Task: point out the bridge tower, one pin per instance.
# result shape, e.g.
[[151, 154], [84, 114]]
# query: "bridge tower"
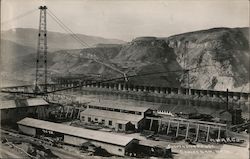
[[41, 59]]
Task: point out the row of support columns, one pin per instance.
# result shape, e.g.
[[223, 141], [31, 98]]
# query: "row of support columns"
[[187, 129], [127, 87], [161, 90], [70, 113]]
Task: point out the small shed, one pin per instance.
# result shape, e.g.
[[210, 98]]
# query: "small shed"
[[119, 121]]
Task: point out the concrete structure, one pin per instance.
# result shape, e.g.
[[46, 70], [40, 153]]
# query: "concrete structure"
[[168, 123], [116, 115], [114, 144], [83, 81], [14, 110]]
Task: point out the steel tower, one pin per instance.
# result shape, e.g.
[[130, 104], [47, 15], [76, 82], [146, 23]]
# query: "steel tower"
[[41, 60]]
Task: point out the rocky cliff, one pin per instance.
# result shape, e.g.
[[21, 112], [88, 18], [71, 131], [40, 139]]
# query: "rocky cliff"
[[217, 58], [209, 59]]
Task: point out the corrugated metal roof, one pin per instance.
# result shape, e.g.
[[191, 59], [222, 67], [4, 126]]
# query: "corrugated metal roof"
[[78, 132], [22, 103], [7, 104], [113, 115], [119, 105]]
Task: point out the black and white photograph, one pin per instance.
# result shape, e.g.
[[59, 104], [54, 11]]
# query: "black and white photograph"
[[124, 79]]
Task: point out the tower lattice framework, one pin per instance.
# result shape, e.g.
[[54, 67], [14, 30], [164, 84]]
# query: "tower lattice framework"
[[41, 60]]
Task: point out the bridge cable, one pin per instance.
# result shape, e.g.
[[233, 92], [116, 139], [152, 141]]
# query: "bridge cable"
[[114, 79], [67, 29]]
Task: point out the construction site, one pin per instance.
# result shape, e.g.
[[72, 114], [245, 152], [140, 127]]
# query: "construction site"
[[82, 116]]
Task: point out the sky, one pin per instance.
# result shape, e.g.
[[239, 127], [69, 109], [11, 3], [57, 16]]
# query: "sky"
[[127, 19]]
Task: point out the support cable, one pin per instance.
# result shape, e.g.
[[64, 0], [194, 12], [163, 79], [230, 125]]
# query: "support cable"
[[84, 44]]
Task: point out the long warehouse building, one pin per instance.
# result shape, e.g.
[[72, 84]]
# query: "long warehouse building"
[[12, 111], [113, 143]]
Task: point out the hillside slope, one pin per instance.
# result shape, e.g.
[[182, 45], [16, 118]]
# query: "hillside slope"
[[217, 59], [221, 56], [149, 55], [56, 41], [11, 52]]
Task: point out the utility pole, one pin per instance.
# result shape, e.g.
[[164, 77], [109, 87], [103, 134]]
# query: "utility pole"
[[227, 101], [185, 61], [41, 60], [186, 72], [186, 67]]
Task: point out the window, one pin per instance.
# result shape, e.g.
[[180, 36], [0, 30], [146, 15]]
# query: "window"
[[96, 119], [89, 119], [126, 111], [116, 110], [119, 149], [103, 121], [110, 109], [120, 126], [131, 112], [83, 118], [110, 122], [138, 113]]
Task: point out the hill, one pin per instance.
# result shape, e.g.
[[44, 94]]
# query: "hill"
[[57, 41], [223, 51], [217, 59]]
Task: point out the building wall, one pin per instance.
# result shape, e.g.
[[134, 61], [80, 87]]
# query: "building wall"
[[123, 128], [74, 140], [13, 115], [77, 141], [106, 122], [8, 115], [113, 149], [27, 130], [141, 124], [148, 112], [132, 145]]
